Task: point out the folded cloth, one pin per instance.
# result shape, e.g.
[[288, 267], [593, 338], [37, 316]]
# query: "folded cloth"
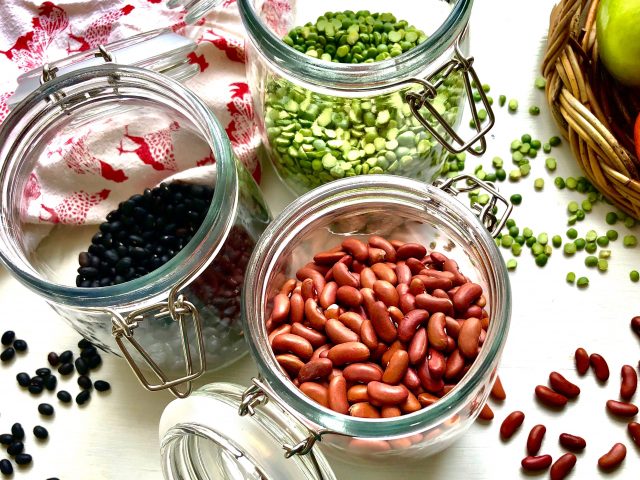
[[85, 173]]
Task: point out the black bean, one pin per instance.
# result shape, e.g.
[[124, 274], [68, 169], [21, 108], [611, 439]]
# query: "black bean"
[[17, 431], [23, 379], [95, 361], [84, 259], [46, 409], [15, 448], [88, 352], [84, 343], [37, 380], [81, 366], [66, 356], [101, 385], [35, 389], [65, 368], [6, 439], [84, 382], [43, 372], [53, 478], [40, 432], [7, 354], [23, 459], [83, 397], [111, 256], [8, 337], [20, 345], [53, 359], [64, 396], [6, 468], [51, 383]]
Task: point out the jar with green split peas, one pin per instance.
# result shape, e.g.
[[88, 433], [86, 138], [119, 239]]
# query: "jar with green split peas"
[[359, 92], [225, 431], [182, 318]]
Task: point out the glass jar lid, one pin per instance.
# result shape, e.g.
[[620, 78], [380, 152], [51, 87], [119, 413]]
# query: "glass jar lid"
[[222, 431]]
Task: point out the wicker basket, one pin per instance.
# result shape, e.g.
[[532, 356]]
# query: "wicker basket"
[[596, 114]]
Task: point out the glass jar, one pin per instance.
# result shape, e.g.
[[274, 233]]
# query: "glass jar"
[[322, 120], [183, 318], [384, 205]]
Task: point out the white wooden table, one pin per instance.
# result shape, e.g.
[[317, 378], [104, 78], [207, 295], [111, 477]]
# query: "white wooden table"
[[115, 435]]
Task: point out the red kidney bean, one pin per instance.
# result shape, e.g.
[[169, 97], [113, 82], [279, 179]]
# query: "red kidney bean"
[[629, 382], [613, 457], [357, 393], [562, 467], [466, 295], [317, 392], [634, 431], [362, 372], [416, 286], [469, 337], [296, 312], [396, 368], [379, 242], [288, 286], [352, 321], [328, 258], [534, 441], [437, 363], [403, 273], [414, 265], [635, 325], [367, 277], [339, 333], [368, 335], [452, 327], [384, 272], [334, 311], [572, 442], [497, 391], [307, 290], [349, 296], [549, 397], [390, 412], [437, 259], [622, 409], [455, 365], [511, 424], [350, 352], [434, 304], [429, 383], [338, 395], [322, 269], [290, 343], [599, 366], [486, 413], [314, 314], [430, 272], [407, 303], [411, 321], [383, 394], [451, 265], [386, 292], [396, 315], [281, 307], [402, 289], [411, 380], [315, 369], [285, 328], [436, 332], [411, 404], [582, 361], [533, 464], [321, 352], [316, 277], [343, 276], [384, 327], [328, 295], [376, 255], [291, 363], [563, 386], [386, 356], [364, 410], [357, 248], [315, 338], [411, 250], [418, 347], [427, 399]]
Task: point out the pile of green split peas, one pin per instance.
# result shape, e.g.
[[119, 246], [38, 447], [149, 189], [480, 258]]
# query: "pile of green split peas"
[[316, 138], [541, 246]]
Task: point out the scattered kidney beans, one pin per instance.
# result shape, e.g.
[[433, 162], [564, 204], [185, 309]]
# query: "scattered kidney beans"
[[497, 391], [363, 327], [563, 386], [549, 397], [629, 382], [486, 413], [582, 361], [534, 441], [622, 409], [563, 466], [533, 464], [511, 424], [613, 457], [634, 432], [635, 325], [572, 442], [600, 367]]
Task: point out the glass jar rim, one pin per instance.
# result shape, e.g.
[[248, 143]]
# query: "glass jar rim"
[[187, 263], [265, 256], [361, 76]]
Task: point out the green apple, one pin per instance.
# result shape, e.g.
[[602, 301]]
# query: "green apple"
[[618, 31]]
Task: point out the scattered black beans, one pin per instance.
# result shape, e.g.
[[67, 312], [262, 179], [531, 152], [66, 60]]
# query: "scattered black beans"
[[6, 439], [64, 396], [83, 397], [84, 382], [23, 459], [101, 385], [35, 389], [66, 356], [144, 233], [53, 359], [46, 409], [8, 337], [43, 372], [65, 368], [17, 431], [95, 361], [15, 448], [23, 379], [40, 432], [20, 345], [6, 468], [7, 354], [81, 366], [51, 383]]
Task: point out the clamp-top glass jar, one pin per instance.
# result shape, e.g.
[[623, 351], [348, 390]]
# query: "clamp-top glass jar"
[[321, 120], [180, 316], [200, 436]]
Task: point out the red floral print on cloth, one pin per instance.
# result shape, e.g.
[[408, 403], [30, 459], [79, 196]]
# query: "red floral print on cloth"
[[241, 129], [155, 148], [98, 32], [232, 47], [74, 208], [29, 50], [4, 108]]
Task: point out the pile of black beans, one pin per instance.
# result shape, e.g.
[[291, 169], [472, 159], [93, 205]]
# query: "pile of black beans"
[[11, 345], [144, 233]]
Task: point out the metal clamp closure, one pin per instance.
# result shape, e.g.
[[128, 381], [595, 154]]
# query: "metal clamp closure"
[[179, 310], [484, 213], [416, 100]]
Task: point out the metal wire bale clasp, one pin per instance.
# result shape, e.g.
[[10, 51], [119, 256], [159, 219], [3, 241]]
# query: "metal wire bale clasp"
[[180, 311], [484, 213]]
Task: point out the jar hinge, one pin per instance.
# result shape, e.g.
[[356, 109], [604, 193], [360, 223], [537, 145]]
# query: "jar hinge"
[[486, 212], [179, 310], [417, 100]]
